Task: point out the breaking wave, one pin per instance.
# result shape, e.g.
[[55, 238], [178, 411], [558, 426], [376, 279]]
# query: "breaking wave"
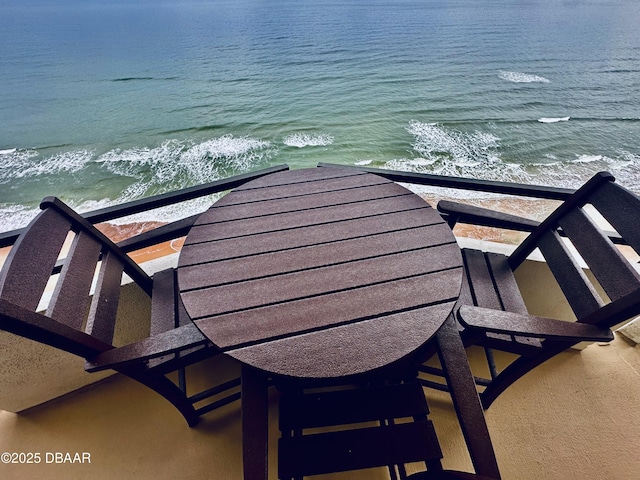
[[445, 151], [553, 119], [18, 163], [302, 140], [15, 216], [146, 171], [519, 77], [450, 148], [175, 165]]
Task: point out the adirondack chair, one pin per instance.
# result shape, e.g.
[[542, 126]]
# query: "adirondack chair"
[[359, 427], [84, 325], [492, 312]]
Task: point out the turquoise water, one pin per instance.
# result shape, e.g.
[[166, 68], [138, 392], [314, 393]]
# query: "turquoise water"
[[108, 101]]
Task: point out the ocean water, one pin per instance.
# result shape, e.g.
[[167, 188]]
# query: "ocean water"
[[105, 101]]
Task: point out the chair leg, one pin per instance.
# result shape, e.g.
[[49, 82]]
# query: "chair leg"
[[513, 372], [182, 381], [168, 390], [465, 399], [255, 427], [491, 362]]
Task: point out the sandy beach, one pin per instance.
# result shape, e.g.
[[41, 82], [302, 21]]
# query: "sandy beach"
[[530, 208], [117, 233]]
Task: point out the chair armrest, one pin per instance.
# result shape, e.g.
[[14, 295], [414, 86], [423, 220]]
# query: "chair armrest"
[[40, 328], [463, 213], [152, 347], [497, 321]]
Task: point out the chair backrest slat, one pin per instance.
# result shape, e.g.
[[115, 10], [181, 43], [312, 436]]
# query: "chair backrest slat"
[[505, 284], [621, 208], [163, 311], [576, 200], [575, 285], [483, 291], [70, 298], [79, 223], [31, 260], [614, 273], [31, 264], [104, 306]]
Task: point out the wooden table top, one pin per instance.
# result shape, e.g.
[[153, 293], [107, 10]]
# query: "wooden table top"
[[320, 273]]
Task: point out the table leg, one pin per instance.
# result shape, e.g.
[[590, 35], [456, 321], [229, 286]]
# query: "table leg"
[[255, 424], [465, 399]]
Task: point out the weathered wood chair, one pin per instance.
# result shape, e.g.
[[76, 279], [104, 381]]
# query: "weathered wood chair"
[[84, 325], [492, 312], [357, 427]]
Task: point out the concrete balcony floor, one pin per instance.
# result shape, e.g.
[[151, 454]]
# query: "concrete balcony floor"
[[574, 417]]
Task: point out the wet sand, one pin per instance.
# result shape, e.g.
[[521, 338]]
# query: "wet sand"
[[529, 208], [118, 233]]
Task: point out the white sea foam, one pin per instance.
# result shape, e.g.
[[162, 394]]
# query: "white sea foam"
[[421, 162], [363, 163], [170, 166], [15, 216], [445, 151], [436, 143], [588, 158], [553, 119], [174, 165], [519, 77], [65, 162], [8, 151], [302, 140], [24, 164]]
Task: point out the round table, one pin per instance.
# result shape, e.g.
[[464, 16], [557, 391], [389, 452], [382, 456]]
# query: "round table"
[[320, 273], [327, 273]]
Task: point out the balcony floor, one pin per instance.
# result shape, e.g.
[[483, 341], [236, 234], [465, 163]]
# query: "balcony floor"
[[573, 417]]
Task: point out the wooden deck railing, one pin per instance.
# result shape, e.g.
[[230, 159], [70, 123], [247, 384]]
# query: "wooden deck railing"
[[180, 227], [489, 186]]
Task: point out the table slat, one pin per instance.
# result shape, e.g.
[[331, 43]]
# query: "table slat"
[[305, 236], [298, 176], [304, 218], [292, 286], [232, 330], [285, 191], [222, 212], [348, 349], [285, 261]]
